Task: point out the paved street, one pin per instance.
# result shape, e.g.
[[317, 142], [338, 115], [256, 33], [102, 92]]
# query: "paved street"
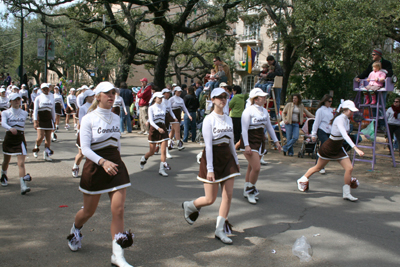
[[33, 228]]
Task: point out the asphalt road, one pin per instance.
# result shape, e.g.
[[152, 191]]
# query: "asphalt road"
[[33, 228]]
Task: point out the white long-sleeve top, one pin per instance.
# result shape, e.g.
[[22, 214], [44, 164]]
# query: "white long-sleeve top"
[[340, 127], [4, 102], [226, 107], [119, 102], [255, 117], [168, 107], [157, 114], [323, 118], [59, 99], [23, 93], [99, 129], [390, 117], [177, 102], [217, 129], [71, 99], [14, 118], [83, 110], [44, 102], [79, 100], [33, 97]]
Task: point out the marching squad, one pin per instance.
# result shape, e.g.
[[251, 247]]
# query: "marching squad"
[[99, 117]]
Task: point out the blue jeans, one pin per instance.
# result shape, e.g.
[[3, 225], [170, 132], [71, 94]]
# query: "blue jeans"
[[322, 137], [125, 119], [266, 87], [213, 85], [292, 135], [189, 124], [277, 100]]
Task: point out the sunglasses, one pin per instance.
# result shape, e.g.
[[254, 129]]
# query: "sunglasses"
[[374, 54], [330, 101], [396, 101]]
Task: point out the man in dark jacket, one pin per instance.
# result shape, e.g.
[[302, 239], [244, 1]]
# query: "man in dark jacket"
[[386, 67], [127, 96], [277, 72], [192, 104]]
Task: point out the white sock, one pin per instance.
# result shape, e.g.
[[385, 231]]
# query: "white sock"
[[303, 179], [75, 166], [3, 172]]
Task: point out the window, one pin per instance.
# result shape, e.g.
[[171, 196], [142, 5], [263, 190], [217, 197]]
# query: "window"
[[252, 31], [185, 79], [248, 83], [191, 81]]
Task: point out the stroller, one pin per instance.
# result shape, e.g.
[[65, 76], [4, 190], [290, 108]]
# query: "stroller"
[[308, 146]]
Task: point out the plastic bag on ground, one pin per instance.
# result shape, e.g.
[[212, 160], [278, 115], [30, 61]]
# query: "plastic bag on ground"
[[302, 249]]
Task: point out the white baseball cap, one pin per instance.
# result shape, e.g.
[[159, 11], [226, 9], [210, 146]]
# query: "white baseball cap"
[[44, 85], [72, 89], [84, 87], [104, 87], [217, 92], [156, 94], [257, 92], [350, 105], [2, 90], [178, 88], [223, 84], [14, 96], [88, 93], [174, 84], [165, 90], [14, 87]]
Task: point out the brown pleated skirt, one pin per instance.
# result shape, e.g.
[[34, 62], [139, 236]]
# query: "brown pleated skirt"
[[178, 115], [116, 110], [332, 150], [256, 141], [58, 109], [95, 180], [155, 136], [224, 165], [31, 105], [70, 111], [14, 144], [45, 120], [168, 120]]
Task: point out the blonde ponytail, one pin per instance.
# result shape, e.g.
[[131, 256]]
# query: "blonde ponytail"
[[94, 105]]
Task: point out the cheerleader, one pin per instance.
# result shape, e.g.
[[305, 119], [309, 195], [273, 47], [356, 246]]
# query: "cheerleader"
[[219, 164], [71, 107], [157, 132], [59, 108], [13, 120], [34, 94], [118, 106], [24, 94], [169, 116], [333, 149], [4, 101], [79, 102], [88, 96], [255, 119], [44, 116], [103, 172], [177, 105]]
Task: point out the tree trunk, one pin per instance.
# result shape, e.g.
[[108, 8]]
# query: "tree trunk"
[[162, 59], [127, 58], [177, 71], [289, 59]]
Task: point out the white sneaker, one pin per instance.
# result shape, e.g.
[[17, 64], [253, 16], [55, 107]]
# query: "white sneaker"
[[145, 133], [24, 188], [347, 195], [161, 171], [143, 161], [46, 156], [303, 184], [262, 161], [322, 171], [141, 132], [53, 137], [4, 180], [74, 239]]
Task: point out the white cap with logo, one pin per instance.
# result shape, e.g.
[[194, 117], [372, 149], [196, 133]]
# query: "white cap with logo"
[[104, 87]]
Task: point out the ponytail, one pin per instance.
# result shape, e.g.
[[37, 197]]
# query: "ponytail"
[[338, 114], [94, 105]]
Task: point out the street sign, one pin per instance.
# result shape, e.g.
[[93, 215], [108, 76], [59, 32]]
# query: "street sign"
[[50, 49], [23, 70]]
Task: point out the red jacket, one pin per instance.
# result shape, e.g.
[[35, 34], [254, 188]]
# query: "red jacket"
[[145, 96]]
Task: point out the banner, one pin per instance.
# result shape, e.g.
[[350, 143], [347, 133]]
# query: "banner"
[[50, 49], [250, 58]]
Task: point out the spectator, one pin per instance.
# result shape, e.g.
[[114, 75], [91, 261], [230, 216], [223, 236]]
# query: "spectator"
[[236, 105], [192, 104], [199, 86], [7, 81], [184, 90], [127, 96], [144, 96], [293, 116], [225, 68], [386, 67], [265, 80], [393, 118], [277, 72]]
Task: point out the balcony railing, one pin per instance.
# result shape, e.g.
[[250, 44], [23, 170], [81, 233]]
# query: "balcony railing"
[[240, 66], [249, 38]]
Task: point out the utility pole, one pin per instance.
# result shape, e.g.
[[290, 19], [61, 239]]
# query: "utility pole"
[[279, 32], [45, 57], [21, 61]]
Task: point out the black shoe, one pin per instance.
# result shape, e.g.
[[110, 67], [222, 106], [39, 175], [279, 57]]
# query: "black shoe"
[[284, 153]]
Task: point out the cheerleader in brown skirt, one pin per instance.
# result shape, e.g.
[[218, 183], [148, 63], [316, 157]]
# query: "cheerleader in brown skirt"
[[158, 133], [333, 149], [104, 172], [13, 120], [218, 166], [71, 107]]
